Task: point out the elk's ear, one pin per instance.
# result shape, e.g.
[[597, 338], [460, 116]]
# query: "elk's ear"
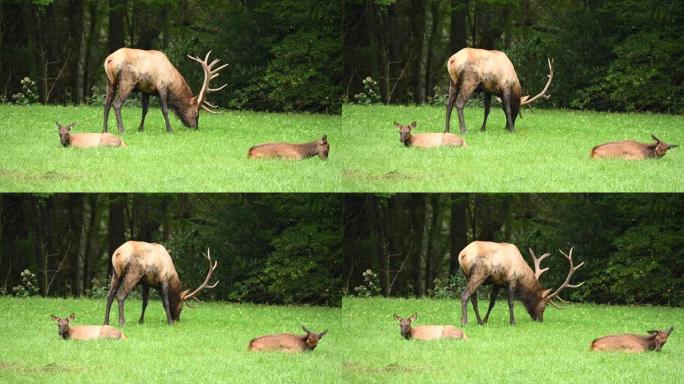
[[397, 317], [670, 146], [320, 335], [58, 124], [55, 318], [324, 139], [413, 317], [184, 293], [524, 99], [71, 316], [652, 332], [546, 292], [71, 125], [669, 330], [397, 125], [412, 125], [305, 330], [655, 138]]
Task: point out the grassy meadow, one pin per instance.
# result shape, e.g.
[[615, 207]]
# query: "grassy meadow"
[[556, 350], [208, 344], [549, 153]]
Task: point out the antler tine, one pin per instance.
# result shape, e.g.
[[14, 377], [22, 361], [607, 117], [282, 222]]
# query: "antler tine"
[[566, 283], [546, 87], [209, 74], [217, 89], [205, 284], [537, 263]]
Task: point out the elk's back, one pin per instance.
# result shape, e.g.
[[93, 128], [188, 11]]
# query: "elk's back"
[[283, 342], [626, 342], [149, 69], [275, 151], [501, 261], [628, 150], [429, 140], [90, 140], [151, 260], [491, 69], [436, 332], [93, 332]]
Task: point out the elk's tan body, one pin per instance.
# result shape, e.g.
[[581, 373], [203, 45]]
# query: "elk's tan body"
[[427, 140], [501, 261], [151, 259], [85, 332], [436, 332], [491, 71], [631, 150], [629, 342], [149, 70], [287, 342], [287, 151], [89, 140]]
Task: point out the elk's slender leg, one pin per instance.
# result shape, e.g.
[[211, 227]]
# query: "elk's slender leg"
[[511, 299], [163, 95], [109, 98], [145, 296], [145, 103], [130, 280], [124, 89], [450, 104], [165, 299], [473, 300], [474, 282], [113, 288], [467, 89], [492, 301], [487, 104], [506, 99]]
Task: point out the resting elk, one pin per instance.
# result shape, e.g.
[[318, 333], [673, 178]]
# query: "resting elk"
[[632, 150], [628, 342], [427, 332], [149, 264], [86, 140], [287, 151], [479, 70], [287, 342], [151, 73], [85, 332], [427, 140], [502, 266]]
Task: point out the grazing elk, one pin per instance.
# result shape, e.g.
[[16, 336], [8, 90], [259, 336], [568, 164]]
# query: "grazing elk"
[[427, 140], [287, 342], [86, 140], [479, 70], [151, 73], [85, 332], [427, 332], [632, 150], [287, 151], [502, 266], [628, 342], [149, 264]]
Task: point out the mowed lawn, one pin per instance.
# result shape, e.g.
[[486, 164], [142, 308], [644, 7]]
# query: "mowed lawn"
[[211, 159], [550, 152], [555, 351], [208, 345]]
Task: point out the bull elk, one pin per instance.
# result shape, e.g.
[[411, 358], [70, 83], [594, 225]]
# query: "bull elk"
[[632, 150], [149, 264], [85, 332], [287, 151], [151, 73], [502, 266], [287, 342], [479, 70], [628, 342], [86, 140], [427, 140], [427, 332]]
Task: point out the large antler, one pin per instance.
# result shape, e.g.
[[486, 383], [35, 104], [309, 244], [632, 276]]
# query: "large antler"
[[566, 283], [525, 100], [205, 284], [537, 261], [209, 74]]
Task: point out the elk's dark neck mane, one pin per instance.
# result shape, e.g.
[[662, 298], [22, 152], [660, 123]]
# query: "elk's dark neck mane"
[[174, 296], [180, 95], [307, 348], [408, 142], [65, 335], [529, 291]]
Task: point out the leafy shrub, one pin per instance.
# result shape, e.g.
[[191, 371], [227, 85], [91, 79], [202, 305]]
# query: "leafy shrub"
[[370, 286], [370, 94], [28, 285], [28, 94]]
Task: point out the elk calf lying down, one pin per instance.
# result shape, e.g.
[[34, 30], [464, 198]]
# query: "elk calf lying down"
[[85, 332], [632, 343], [427, 140], [427, 332], [631, 150], [287, 342], [87, 140], [288, 151]]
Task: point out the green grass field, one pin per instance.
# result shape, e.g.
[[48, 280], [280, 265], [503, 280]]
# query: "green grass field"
[[550, 152], [211, 159], [208, 345], [556, 350]]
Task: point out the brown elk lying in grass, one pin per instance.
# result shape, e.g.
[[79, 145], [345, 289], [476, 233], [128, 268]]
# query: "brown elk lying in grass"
[[502, 266], [287, 342], [149, 264], [427, 140], [632, 150], [287, 151], [151, 73], [479, 70], [632, 343], [86, 140], [85, 332], [427, 332]]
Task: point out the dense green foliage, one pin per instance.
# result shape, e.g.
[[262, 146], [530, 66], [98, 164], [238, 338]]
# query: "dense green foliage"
[[208, 344], [556, 350]]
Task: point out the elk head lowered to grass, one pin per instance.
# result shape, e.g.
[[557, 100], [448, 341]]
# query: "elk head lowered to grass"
[[85, 332], [479, 70], [151, 73], [628, 342], [287, 342], [86, 140], [502, 266], [632, 150], [149, 264], [287, 151], [427, 140], [427, 332]]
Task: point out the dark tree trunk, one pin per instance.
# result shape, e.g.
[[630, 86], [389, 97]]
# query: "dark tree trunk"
[[75, 227], [458, 37], [116, 37], [418, 35], [116, 228], [416, 209], [91, 239], [76, 9], [458, 235], [91, 41]]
